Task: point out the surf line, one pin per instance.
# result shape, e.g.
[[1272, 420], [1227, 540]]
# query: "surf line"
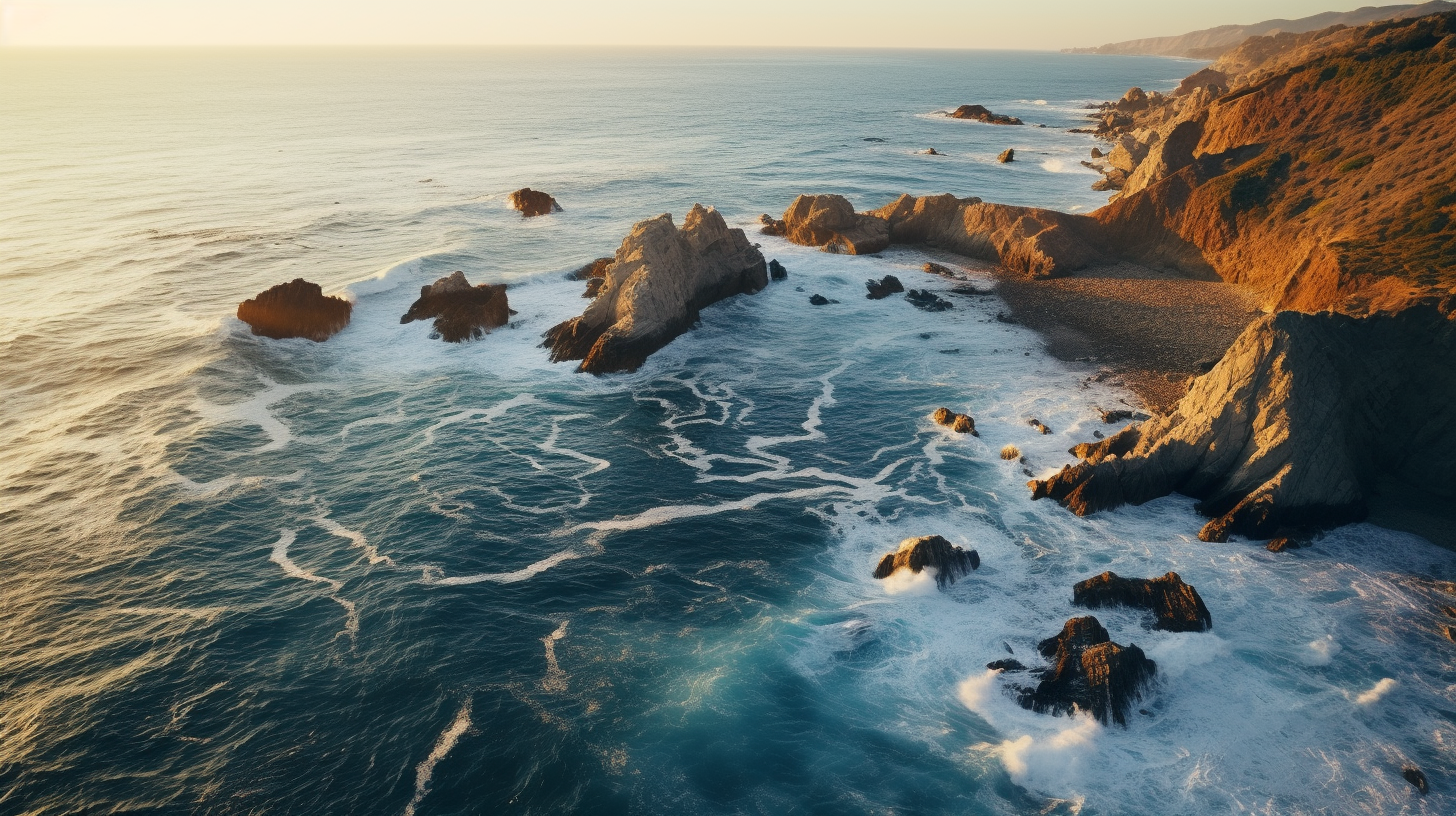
[[293, 570], [425, 771]]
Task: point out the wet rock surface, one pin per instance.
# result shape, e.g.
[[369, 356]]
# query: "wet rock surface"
[[960, 423], [295, 309], [930, 552], [1176, 606], [532, 203], [979, 113], [461, 311], [884, 287], [928, 301], [1089, 673]]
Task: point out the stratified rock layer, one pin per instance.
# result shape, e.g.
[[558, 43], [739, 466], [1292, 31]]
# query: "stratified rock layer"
[[1176, 605], [533, 202], [461, 311], [1090, 673], [295, 309], [1293, 427], [915, 554], [652, 292]]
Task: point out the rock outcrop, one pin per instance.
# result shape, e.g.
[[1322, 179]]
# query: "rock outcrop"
[[461, 311], [533, 202], [980, 114], [1007, 155], [660, 279], [949, 562], [883, 288], [960, 423], [295, 309], [1176, 606], [1090, 673], [928, 301], [830, 222], [1293, 428], [1414, 776], [776, 270]]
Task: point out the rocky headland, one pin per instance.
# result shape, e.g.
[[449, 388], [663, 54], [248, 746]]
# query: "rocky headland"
[[295, 309], [653, 290]]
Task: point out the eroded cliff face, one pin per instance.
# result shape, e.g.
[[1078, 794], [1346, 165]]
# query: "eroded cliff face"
[[1294, 428], [654, 288]]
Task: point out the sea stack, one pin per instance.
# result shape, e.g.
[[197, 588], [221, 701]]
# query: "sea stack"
[[655, 287], [295, 309], [533, 202], [949, 562], [461, 311], [1089, 673]]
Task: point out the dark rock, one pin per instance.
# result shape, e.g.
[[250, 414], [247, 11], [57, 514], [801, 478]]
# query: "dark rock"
[[461, 311], [820, 300], [1414, 776], [938, 269], [1006, 664], [593, 287], [533, 202], [1039, 425], [960, 423], [295, 309], [1090, 673], [595, 269], [980, 114], [930, 151], [884, 287], [1176, 605], [1115, 415], [949, 561], [1096, 153], [1002, 317], [1007, 155], [1283, 543], [873, 139], [776, 270], [928, 301]]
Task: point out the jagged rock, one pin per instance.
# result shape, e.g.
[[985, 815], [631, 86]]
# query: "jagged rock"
[[1414, 776], [960, 423], [771, 225], [533, 202], [776, 270], [1011, 453], [1133, 101], [1127, 154], [593, 287], [928, 301], [1285, 543], [930, 151], [934, 268], [1096, 153], [1007, 155], [1166, 157], [461, 311], [1006, 664], [1039, 426], [1176, 605], [1090, 673], [830, 222], [1291, 428], [924, 219], [595, 269], [933, 552], [1115, 415], [295, 309], [980, 114], [820, 300], [884, 287], [1202, 79], [661, 278]]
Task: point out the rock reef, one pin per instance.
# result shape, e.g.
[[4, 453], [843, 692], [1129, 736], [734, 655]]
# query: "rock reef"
[[1176, 606], [461, 311], [533, 202], [1089, 673], [980, 114], [659, 281], [295, 309], [930, 552]]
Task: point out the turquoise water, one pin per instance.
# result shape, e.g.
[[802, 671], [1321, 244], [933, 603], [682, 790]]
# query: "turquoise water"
[[389, 575]]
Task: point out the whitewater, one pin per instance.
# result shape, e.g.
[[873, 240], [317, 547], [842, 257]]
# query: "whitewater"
[[386, 574]]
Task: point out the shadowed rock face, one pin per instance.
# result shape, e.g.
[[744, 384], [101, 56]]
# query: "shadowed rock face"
[[1176, 605], [1292, 428], [652, 292], [830, 222], [1090, 673], [461, 311], [595, 274], [915, 554], [295, 309], [883, 288], [533, 202], [980, 114]]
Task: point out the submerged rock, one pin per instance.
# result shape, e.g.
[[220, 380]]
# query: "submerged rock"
[[776, 270], [1176, 605], [1007, 155], [1414, 776], [533, 202], [1090, 673], [928, 301], [960, 423], [461, 311], [884, 287], [915, 554], [980, 114], [830, 222], [295, 309], [1006, 664], [820, 300], [1115, 415], [661, 278]]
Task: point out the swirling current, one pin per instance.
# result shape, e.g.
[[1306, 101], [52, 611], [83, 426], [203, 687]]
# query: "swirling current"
[[385, 574]]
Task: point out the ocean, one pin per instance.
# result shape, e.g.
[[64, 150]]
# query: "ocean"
[[386, 574]]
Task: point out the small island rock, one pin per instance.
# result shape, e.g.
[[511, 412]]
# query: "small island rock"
[[933, 552], [1090, 673], [960, 423], [980, 114], [533, 202], [1176, 606], [461, 311], [295, 309]]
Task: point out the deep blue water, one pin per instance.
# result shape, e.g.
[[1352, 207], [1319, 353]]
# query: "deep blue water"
[[385, 574]]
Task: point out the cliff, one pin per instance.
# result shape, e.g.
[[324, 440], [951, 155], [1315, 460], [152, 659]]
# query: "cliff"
[[652, 291]]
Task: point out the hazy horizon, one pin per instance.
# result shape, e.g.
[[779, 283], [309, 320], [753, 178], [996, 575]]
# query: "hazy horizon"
[[978, 24]]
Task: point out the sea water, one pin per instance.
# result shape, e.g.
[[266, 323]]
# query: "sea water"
[[386, 574]]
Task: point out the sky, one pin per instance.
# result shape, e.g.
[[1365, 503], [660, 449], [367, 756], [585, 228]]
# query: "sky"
[[1035, 24]]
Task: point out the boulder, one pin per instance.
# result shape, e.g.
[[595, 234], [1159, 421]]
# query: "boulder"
[[980, 114], [776, 270], [1292, 427], [1133, 101], [1090, 673], [960, 423], [930, 552], [820, 300], [930, 151], [1007, 155], [884, 287], [533, 202], [1006, 664], [661, 279], [295, 309], [1283, 543], [830, 222], [1096, 153], [928, 301], [923, 219], [938, 269], [461, 311], [1175, 605]]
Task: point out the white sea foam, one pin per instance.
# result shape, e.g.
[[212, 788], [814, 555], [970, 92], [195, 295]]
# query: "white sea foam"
[[433, 575], [280, 557], [1375, 692], [444, 744], [254, 411], [555, 679], [355, 538]]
